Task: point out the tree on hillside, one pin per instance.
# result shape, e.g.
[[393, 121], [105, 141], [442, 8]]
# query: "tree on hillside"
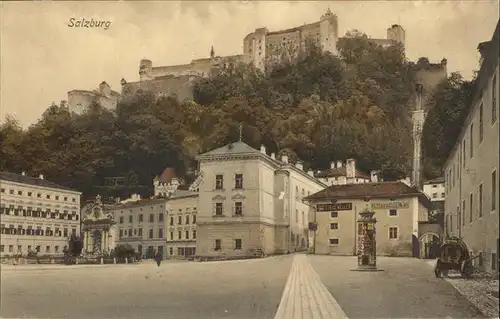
[[448, 109]]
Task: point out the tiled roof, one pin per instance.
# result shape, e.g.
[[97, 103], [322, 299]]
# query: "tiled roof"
[[35, 181], [167, 175], [339, 171], [232, 149], [182, 194], [437, 180], [140, 202], [370, 190]]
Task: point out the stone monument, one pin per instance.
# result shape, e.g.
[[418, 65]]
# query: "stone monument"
[[98, 229]]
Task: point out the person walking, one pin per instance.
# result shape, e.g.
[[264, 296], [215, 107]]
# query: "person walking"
[[158, 258]]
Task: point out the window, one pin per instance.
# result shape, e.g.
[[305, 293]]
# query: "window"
[[179, 235], [219, 181], [442, 195], [141, 218], [463, 213], [151, 233], [237, 244], [187, 220], [334, 241], [2, 190], [171, 220], [217, 245], [160, 217], [187, 234], [130, 218], [19, 192], [38, 195], [65, 198], [464, 154], [393, 233], [335, 214], [481, 128], [171, 235], [434, 195], [218, 209], [480, 199], [393, 212], [238, 181], [194, 234], [65, 232], [334, 225], [179, 220], [194, 219], [151, 218], [494, 261], [471, 140], [2, 248], [130, 232], [121, 220], [471, 201], [494, 100], [494, 190], [11, 191], [140, 232], [160, 232], [238, 208]]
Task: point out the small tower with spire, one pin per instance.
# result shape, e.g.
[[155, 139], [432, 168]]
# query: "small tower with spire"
[[212, 53]]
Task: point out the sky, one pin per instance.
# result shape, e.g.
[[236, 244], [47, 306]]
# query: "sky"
[[42, 58]]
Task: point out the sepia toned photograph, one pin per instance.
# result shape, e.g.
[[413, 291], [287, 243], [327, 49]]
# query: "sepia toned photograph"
[[249, 159]]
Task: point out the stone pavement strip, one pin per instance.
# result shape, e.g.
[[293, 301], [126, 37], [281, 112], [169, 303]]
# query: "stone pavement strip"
[[305, 297]]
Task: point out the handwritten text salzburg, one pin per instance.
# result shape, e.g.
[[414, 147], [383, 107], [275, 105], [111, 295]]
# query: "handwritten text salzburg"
[[86, 23]]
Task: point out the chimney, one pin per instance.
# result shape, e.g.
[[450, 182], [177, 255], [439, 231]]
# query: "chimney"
[[23, 173], [284, 158], [373, 177], [41, 176], [310, 172], [299, 165], [351, 168], [332, 164], [263, 149], [339, 164], [273, 156]]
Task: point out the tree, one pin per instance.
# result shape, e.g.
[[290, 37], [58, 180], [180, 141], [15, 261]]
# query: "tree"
[[75, 245]]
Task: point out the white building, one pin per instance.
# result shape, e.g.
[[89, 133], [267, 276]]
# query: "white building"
[[251, 202], [141, 224], [181, 224], [343, 173], [435, 189], [471, 170], [36, 215]]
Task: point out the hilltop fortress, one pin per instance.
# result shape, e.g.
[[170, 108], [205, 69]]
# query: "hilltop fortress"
[[262, 48]]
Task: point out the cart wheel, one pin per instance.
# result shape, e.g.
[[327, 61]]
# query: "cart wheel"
[[437, 272]]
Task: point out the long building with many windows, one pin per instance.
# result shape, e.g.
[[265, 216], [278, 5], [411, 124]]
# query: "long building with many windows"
[[36, 215], [471, 171]]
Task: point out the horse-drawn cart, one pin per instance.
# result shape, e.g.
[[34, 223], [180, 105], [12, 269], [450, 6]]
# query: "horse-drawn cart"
[[454, 255]]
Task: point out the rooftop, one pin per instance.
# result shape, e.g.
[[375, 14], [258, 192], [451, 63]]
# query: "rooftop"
[[140, 202], [437, 180], [370, 190], [237, 148], [339, 171], [35, 181], [180, 193]]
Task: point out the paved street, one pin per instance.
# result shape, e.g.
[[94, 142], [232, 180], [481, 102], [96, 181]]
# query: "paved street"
[[294, 286]]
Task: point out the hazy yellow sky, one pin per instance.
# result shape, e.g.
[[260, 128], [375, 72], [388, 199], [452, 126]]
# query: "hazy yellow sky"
[[42, 58]]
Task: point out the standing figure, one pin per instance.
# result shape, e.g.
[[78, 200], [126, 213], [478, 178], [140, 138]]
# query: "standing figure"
[[158, 258]]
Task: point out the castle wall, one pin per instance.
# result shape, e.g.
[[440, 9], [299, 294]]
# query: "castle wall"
[[181, 86], [80, 100]]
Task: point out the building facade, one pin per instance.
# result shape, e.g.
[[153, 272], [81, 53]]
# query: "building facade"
[[249, 202], [398, 209], [181, 224], [344, 172], [471, 171], [79, 100], [36, 215], [141, 224]]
